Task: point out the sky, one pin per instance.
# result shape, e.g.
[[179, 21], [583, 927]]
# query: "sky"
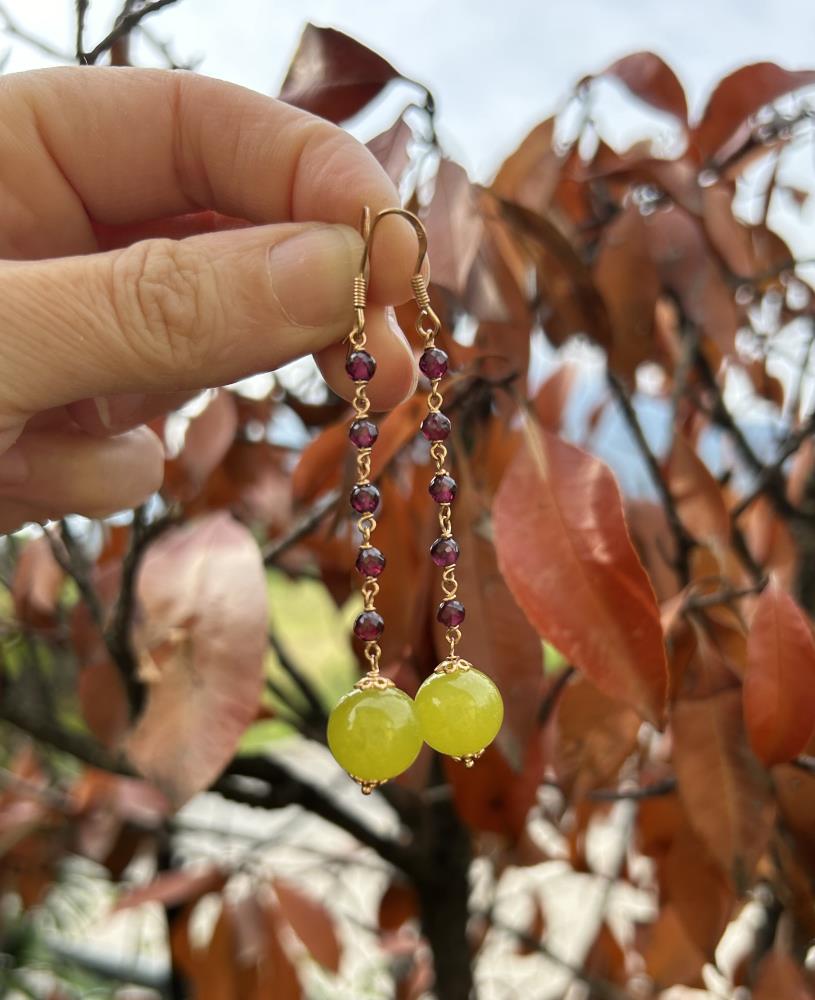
[[495, 68]]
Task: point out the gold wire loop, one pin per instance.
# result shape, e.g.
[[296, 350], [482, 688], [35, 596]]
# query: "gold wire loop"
[[368, 228], [449, 583]]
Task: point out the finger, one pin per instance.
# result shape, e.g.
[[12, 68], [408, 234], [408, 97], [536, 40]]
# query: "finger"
[[191, 143], [54, 472], [396, 373], [168, 315], [108, 415], [176, 227]]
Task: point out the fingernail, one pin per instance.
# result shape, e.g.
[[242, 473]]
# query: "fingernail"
[[103, 409], [14, 467], [312, 275]]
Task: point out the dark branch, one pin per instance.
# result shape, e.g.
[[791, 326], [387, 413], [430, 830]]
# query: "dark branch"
[[81, 13], [286, 789], [664, 787], [770, 475], [685, 542], [551, 697], [68, 553], [125, 23], [317, 710]]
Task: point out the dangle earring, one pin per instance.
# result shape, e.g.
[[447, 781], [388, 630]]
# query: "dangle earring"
[[373, 731], [459, 708]]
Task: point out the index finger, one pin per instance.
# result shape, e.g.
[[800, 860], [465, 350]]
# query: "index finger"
[[130, 145]]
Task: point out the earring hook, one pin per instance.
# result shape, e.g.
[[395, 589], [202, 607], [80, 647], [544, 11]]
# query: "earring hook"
[[368, 228]]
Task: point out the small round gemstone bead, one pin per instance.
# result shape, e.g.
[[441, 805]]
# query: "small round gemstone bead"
[[363, 433], [360, 366], [460, 712], [365, 498], [375, 734], [368, 626], [433, 363], [370, 561], [436, 427], [451, 613], [444, 551], [443, 488]]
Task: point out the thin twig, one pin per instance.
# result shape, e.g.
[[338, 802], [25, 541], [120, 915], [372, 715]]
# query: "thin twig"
[[81, 13], [769, 475], [664, 787], [125, 23], [304, 685], [13, 29], [68, 553], [283, 788], [550, 699], [685, 542], [695, 602]]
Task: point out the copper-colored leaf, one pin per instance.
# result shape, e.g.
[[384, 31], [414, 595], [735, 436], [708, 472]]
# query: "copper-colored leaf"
[[725, 791], [175, 887], [594, 735], [564, 550], [740, 95], [391, 149], [334, 76], [780, 977], [399, 904], [208, 439], [201, 643], [553, 396], [37, 582], [311, 922], [626, 276], [652, 80], [779, 686], [528, 175], [750, 252], [606, 958], [698, 496], [454, 227], [670, 956]]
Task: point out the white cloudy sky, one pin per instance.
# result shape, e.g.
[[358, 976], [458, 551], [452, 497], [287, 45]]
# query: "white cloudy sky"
[[495, 68]]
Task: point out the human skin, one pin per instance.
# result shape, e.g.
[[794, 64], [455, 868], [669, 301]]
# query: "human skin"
[[162, 232]]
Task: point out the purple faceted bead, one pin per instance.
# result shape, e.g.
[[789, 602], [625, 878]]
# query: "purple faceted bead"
[[360, 366], [368, 626], [444, 551], [450, 613], [363, 433], [433, 363], [442, 488], [436, 427], [365, 498], [370, 561]]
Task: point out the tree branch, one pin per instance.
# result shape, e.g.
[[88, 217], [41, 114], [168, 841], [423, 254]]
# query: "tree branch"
[[771, 474], [685, 542], [664, 787], [124, 24], [286, 789]]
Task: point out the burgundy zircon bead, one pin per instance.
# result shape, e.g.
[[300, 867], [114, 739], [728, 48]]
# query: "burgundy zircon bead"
[[360, 366], [368, 626], [433, 363], [450, 613], [436, 427], [365, 498], [370, 561], [442, 488], [444, 551], [363, 433]]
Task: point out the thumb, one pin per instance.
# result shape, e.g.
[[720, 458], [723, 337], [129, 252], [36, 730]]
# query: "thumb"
[[165, 315]]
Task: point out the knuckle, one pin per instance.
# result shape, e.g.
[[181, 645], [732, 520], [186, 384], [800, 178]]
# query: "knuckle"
[[165, 297]]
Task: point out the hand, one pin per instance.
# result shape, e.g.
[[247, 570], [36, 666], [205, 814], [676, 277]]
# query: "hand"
[[130, 275]]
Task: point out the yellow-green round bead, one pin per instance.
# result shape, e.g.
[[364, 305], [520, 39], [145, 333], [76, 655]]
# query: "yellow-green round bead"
[[374, 733], [460, 712]]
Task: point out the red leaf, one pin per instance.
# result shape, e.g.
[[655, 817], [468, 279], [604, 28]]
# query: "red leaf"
[[552, 398], [311, 923], [201, 643], [208, 439], [529, 175], [564, 550], [334, 76], [37, 582], [740, 95], [725, 791], [698, 496], [780, 976], [454, 227], [174, 888], [652, 80], [399, 904], [391, 149], [626, 276], [779, 685]]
